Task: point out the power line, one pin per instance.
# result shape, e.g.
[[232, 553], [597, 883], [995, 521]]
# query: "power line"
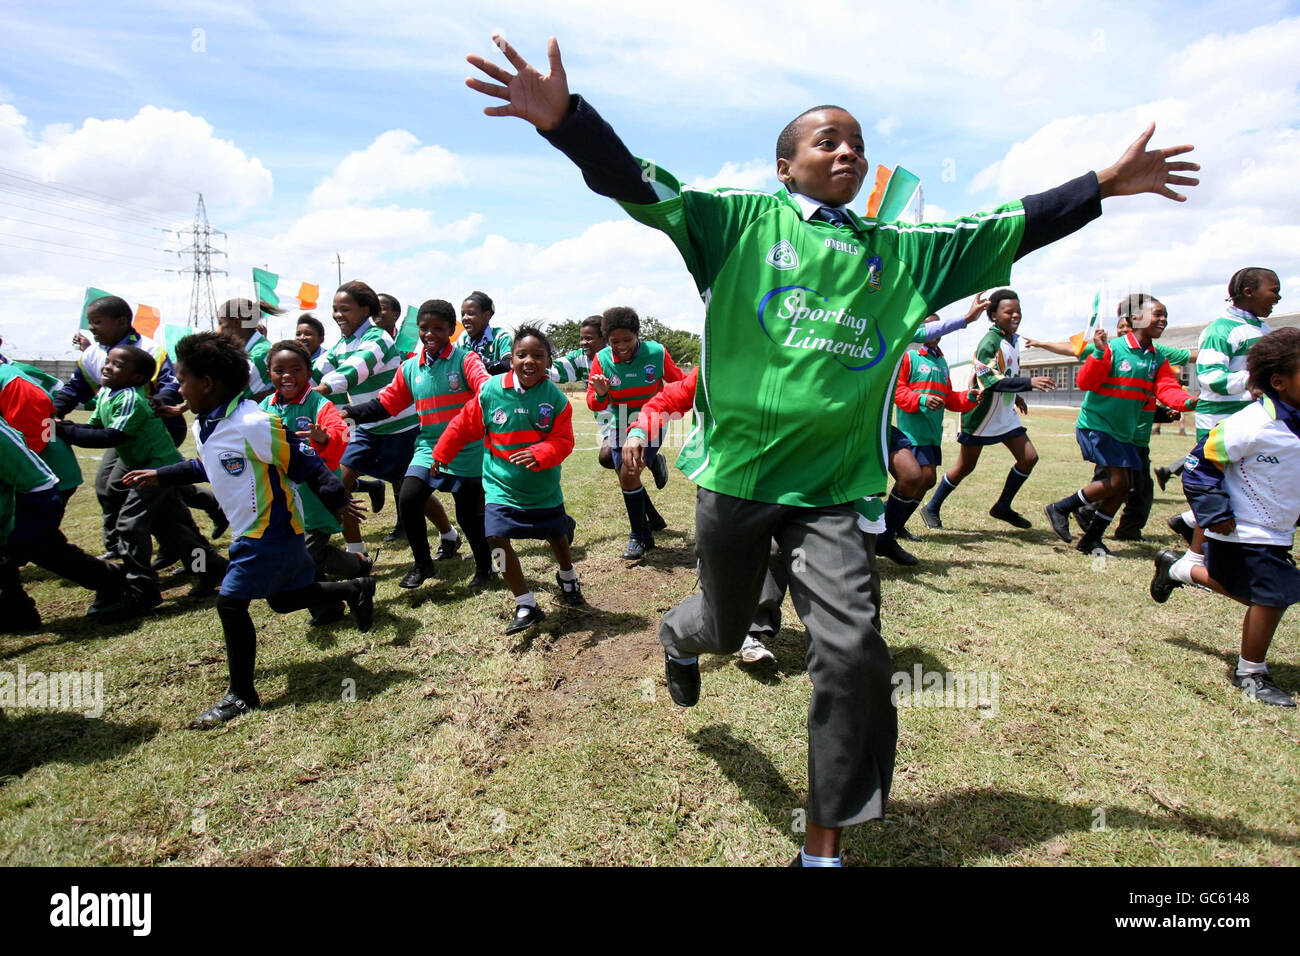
[[88, 235], [128, 259], [203, 301], [44, 212], [73, 255]]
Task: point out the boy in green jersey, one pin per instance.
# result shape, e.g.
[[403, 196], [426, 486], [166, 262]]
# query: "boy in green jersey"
[[124, 420], [808, 310]]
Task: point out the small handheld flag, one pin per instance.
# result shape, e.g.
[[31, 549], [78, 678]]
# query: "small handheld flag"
[[273, 290], [92, 295], [893, 191], [1079, 340], [407, 339]]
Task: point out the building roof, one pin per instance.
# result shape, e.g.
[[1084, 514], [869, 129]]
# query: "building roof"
[[1176, 336]]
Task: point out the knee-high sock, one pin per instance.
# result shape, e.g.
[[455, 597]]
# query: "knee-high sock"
[[635, 501], [897, 510], [651, 512], [941, 492], [1015, 479], [470, 519], [1071, 502], [241, 644], [1096, 528], [410, 509]]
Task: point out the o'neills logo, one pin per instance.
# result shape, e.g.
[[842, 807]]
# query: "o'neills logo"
[[791, 317]]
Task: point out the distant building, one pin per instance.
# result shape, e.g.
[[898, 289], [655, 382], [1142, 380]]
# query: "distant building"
[[1064, 369]]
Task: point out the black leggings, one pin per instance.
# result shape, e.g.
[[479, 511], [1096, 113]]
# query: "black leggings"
[[469, 515], [241, 636]]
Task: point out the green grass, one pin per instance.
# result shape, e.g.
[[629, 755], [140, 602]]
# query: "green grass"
[[465, 746]]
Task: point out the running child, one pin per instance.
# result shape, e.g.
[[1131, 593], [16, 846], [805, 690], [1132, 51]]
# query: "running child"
[[253, 465], [1123, 380], [442, 380], [791, 406], [361, 363], [239, 320], [626, 373], [492, 345], [575, 366], [123, 420], [310, 416], [28, 407], [526, 425], [1241, 483]]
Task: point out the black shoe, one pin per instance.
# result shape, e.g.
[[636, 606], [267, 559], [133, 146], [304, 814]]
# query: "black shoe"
[[1178, 525], [206, 585], [1093, 546], [659, 468], [526, 615], [1162, 582], [138, 601], [363, 604], [1013, 518], [656, 522], [931, 518], [889, 548], [1261, 688], [1060, 523], [376, 492], [1162, 476], [570, 591], [1084, 515], [397, 534], [797, 861], [418, 574], [683, 681], [636, 549], [482, 579], [1123, 534], [164, 561], [19, 621], [447, 549], [226, 709], [903, 534], [328, 614], [368, 562]]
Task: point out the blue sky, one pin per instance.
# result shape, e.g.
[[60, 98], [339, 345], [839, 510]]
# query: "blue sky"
[[323, 127]]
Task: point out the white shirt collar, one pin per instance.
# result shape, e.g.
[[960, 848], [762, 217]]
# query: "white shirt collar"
[[807, 207]]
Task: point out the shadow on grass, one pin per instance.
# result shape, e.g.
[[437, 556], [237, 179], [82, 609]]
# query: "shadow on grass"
[[330, 679], [68, 630], [967, 825], [760, 783], [1287, 675], [28, 740]]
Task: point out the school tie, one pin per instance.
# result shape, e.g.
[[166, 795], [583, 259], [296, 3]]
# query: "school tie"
[[832, 215]]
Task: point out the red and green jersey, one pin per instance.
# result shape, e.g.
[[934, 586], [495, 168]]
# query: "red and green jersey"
[[127, 410], [1123, 384], [804, 324], [631, 383], [924, 373], [26, 404], [298, 415], [439, 388], [509, 418], [1175, 358], [21, 471]]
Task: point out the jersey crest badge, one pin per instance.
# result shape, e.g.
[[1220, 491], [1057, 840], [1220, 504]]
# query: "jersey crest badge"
[[453, 381], [232, 464], [874, 268], [650, 373], [782, 256], [305, 447], [615, 381], [545, 415], [1126, 366], [499, 416], [304, 423], [924, 369]]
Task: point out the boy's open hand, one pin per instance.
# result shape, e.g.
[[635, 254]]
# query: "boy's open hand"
[[316, 434], [542, 100], [978, 306], [599, 384], [1141, 170], [354, 509], [634, 452], [142, 476], [525, 458]]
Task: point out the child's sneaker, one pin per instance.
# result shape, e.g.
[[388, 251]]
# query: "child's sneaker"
[[363, 603], [570, 591], [636, 549], [226, 709], [753, 651], [1259, 687], [931, 518], [526, 615], [1011, 517]]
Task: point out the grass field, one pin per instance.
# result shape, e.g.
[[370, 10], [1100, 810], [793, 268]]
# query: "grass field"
[[1115, 739]]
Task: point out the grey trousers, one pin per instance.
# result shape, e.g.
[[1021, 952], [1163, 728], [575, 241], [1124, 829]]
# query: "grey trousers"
[[831, 567], [767, 619], [149, 510], [111, 493]]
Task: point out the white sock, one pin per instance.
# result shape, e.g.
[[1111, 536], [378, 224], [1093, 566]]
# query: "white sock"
[[1181, 570], [809, 860], [526, 599], [1189, 516], [452, 535], [569, 575], [356, 547], [1251, 667]]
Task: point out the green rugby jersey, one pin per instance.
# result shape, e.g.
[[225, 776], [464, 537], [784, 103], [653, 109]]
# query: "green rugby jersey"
[[1121, 398], [1179, 357], [1221, 366], [438, 387], [148, 445], [804, 325], [258, 348], [996, 357], [21, 471], [313, 408], [361, 365]]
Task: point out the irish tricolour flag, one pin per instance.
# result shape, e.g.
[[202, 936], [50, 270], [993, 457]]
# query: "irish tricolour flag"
[[274, 290], [146, 316]]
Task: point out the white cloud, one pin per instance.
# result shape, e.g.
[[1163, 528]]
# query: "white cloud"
[[888, 126], [394, 163], [755, 174]]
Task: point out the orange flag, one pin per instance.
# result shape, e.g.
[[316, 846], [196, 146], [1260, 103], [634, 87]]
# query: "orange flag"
[[878, 191], [308, 294], [146, 320]]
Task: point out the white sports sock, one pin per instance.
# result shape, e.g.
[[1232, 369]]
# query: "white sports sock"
[[809, 860], [526, 599], [1181, 570], [569, 575], [1251, 667], [1189, 516], [357, 547], [452, 535]]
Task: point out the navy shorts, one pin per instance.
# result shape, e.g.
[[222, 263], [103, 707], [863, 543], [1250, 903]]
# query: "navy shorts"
[[897, 440], [964, 439], [1107, 450], [1263, 574], [381, 456], [502, 521], [260, 567], [650, 452], [441, 481], [931, 455]]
